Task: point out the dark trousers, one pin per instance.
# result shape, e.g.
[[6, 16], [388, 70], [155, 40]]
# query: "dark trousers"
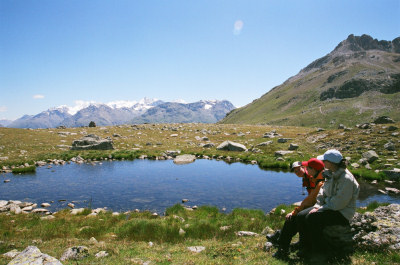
[[288, 231], [311, 226]]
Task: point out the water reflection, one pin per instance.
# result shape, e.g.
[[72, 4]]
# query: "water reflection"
[[156, 185]]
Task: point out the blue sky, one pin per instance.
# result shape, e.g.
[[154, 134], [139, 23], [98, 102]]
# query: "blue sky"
[[57, 52]]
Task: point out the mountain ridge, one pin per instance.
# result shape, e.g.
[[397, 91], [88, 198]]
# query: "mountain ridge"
[[122, 112], [354, 83]]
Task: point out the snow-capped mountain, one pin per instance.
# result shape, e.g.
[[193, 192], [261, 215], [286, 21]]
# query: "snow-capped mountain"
[[123, 112]]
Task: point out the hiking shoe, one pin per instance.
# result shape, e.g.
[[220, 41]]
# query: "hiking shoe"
[[281, 254], [273, 238]]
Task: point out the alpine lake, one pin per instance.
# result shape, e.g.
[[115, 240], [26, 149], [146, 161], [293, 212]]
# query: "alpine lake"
[[156, 185]]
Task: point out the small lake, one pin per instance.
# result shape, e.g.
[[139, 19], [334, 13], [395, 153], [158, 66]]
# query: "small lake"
[[157, 185]]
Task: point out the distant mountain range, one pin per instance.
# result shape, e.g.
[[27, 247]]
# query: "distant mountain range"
[[355, 83], [144, 111]]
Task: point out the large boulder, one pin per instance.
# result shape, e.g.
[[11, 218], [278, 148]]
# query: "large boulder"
[[393, 174], [32, 255], [92, 142], [231, 146]]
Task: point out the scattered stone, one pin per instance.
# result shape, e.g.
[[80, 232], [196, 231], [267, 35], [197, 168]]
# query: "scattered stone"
[[224, 228], [181, 232], [32, 255], [185, 200], [246, 233], [93, 240], [283, 153], [283, 140], [101, 254], [392, 190], [392, 128], [265, 143], [393, 174], [45, 204], [383, 120], [390, 146], [196, 249], [267, 246], [76, 211], [231, 146], [355, 165], [71, 205], [184, 159], [370, 156], [293, 146], [48, 217], [151, 244], [75, 253], [92, 142]]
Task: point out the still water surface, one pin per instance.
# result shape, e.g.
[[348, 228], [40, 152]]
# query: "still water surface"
[[157, 185]]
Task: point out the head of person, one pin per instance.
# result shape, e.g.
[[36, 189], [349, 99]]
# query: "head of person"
[[314, 167], [298, 169], [333, 160]]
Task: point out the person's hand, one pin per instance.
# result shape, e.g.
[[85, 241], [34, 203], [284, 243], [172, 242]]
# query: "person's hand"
[[313, 210], [288, 216]]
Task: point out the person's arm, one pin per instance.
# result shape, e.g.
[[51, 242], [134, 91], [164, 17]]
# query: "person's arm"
[[310, 200]]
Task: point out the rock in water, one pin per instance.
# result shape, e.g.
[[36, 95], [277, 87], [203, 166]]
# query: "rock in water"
[[32, 255], [184, 159]]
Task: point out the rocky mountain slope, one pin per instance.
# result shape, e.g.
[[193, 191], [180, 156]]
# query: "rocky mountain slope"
[[147, 110], [355, 83]]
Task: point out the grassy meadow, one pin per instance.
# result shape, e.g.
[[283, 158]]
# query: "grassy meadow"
[[126, 237]]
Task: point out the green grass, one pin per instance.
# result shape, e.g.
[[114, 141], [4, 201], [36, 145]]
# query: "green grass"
[[30, 169]]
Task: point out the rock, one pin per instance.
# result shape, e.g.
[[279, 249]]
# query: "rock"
[[265, 143], [75, 253], [11, 254], [40, 211], [231, 146], [32, 255], [45, 204], [390, 146], [246, 233], [392, 128], [92, 142], [339, 239], [392, 174], [392, 190], [268, 246], [196, 249], [293, 146], [224, 228], [282, 153], [76, 211], [181, 232], [185, 200], [71, 205], [3, 203], [101, 254], [283, 140], [355, 165], [383, 120], [184, 159], [378, 230], [208, 145], [93, 240], [370, 156], [341, 126]]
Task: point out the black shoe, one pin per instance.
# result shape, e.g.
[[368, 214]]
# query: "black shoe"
[[273, 238], [281, 254]]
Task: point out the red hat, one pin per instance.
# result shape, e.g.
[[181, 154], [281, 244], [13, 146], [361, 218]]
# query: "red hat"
[[314, 163]]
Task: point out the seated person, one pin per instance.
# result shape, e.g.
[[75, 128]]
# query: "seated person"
[[336, 204], [315, 168], [301, 172]]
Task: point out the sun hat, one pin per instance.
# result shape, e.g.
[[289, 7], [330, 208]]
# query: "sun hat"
[[295, 164], [331, 155], [314, 163]]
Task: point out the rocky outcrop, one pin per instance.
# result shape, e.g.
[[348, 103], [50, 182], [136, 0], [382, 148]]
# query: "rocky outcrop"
[[379, 229], [231, 146], [383, 120], [32, 255], [92, 142]]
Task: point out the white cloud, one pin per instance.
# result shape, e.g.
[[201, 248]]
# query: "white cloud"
[[38, 96], [237, 27], [3, 108]]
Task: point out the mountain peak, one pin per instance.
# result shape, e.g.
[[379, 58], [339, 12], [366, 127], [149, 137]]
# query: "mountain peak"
[[365, 43]]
